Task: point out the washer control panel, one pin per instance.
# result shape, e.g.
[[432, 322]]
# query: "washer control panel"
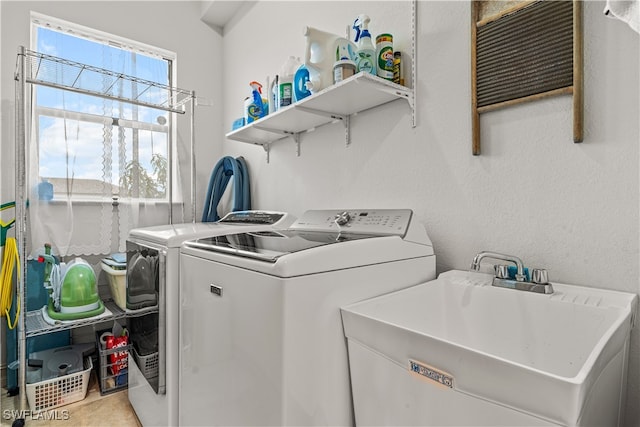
[[254, 217], [378, 221]]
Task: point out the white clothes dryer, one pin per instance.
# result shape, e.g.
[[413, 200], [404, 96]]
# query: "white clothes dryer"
[[261, 335], [153, 359]]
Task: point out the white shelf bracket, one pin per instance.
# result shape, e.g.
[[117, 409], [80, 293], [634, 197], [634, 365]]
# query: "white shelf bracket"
[[284, 133], [247, 140], [272, 130], [267, 148], [296, 138], [404, 94], [320, 112], [344, 118]]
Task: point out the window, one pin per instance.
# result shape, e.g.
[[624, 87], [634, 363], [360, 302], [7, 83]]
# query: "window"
[[95, 148]]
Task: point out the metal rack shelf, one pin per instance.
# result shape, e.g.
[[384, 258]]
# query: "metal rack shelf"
[[33, 68], [47, 70], [36, 325]]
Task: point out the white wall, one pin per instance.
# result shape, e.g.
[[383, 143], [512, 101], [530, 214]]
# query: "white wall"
[[572, 208]]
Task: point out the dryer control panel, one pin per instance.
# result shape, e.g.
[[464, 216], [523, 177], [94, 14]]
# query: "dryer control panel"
[[360, 221]]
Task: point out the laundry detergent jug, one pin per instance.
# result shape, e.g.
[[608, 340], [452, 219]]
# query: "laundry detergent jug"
[[319, 58], [302, 82]]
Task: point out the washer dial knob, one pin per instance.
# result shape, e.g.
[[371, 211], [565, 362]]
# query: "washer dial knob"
[[343, 218]]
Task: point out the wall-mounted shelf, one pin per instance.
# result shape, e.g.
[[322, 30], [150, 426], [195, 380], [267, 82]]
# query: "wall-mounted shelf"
[[334, 103]]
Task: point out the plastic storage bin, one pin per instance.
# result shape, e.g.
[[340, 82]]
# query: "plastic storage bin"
[[110, 382], [117, 285], [148, 364], [60, 391]]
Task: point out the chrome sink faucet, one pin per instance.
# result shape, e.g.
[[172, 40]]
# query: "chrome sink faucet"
[[520, 276], [539, 278]]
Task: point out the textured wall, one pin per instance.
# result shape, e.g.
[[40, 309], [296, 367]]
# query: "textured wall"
[[572, 208]]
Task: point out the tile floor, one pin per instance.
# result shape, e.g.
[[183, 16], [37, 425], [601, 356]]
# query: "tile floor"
[[95, 410]]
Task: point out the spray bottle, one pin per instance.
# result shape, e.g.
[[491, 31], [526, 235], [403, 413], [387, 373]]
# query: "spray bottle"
[[255, 106], [366, 52]]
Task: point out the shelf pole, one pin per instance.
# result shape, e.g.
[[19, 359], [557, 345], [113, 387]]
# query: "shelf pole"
[[414, 60], [21, 221], [347, 131], [172, 124], [193, 156]]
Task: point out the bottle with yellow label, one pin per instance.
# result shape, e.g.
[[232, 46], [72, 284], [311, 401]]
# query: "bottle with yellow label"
[[384, 55]]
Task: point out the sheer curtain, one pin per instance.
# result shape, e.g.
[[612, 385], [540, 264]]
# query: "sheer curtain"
[[98, 167], [94, 215]]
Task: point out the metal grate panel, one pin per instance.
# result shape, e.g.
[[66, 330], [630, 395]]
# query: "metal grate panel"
[[526, 52], [47, 70]]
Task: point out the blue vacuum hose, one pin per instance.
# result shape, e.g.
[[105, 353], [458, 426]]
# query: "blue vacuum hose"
[[226, 168]]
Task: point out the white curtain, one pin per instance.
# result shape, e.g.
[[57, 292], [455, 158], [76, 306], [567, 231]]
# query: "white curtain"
[[94, 216], [107, 161]]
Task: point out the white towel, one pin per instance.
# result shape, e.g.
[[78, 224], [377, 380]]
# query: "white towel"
[[625, 10]]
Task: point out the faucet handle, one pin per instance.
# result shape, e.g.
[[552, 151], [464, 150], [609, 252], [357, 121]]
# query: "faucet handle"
[[539, 276], [501, 270]]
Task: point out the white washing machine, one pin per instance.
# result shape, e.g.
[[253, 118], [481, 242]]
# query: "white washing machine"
[[153, 360], [261, 335]]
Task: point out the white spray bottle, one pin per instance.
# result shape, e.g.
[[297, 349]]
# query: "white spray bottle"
[[366, 52]]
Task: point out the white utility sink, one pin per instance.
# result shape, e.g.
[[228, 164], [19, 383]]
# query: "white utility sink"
[[486, 356]]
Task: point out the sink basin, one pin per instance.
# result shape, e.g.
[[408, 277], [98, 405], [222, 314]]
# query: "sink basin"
[[488, 355]]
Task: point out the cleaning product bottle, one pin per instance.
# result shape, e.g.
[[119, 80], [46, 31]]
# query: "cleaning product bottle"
[[273, 94], [255, 106], [384, 55], [366, 52], [284, 88], [344, 67]]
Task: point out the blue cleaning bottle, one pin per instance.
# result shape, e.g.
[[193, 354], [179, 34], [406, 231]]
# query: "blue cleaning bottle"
[[365, 52], [256, 106]]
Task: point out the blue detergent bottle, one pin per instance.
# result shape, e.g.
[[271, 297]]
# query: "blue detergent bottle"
[[365, 52]]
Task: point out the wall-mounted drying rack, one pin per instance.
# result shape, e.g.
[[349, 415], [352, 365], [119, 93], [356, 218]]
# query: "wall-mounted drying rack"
[[60, 73], [335, 103]]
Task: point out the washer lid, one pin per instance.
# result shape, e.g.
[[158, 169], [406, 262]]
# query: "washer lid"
[[271, 245], [172, 235]]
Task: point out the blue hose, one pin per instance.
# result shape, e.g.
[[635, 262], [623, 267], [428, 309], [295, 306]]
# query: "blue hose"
[[220, 176]]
